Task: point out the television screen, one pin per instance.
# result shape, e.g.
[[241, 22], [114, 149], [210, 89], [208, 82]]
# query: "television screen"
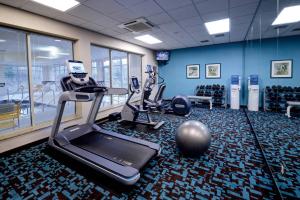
[[162, 55]]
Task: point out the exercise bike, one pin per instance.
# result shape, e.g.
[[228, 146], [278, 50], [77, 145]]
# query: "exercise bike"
[[131, 112], [179, 105]]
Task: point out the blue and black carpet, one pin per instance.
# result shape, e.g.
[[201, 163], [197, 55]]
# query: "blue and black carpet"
[[233, 168]]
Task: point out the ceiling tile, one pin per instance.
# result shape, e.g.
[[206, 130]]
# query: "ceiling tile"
[[92, 26], [64, 17], [197, 29], [14, 3], [173, 4], [85, 13], [124, 15], [211, 6], [161, 18], [246, 19], [183, 12], [170, 27], [146, 8], [129, 3], [238, 33], [109, 32], [247, 9], [106, 21], [194, 21], [104, 6], [215, 15], [236, 3]]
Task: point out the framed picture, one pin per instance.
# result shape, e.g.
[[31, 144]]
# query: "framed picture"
[[213, 70], [193, 71], [281, 68]]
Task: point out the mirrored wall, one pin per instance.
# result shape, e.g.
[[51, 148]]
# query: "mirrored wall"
[[272, 53]]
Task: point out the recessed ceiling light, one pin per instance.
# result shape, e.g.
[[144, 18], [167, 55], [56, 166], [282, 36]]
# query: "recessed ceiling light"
[[219, 26], [62, 5], [288, 15], [149, 39], [2, 40]]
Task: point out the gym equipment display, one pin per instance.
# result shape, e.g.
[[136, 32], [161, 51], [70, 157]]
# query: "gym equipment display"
[[131, 112], [111, 153], [276, 97], [253, 93], [216, 92], [193, 138], [179, 105], [235, 88]]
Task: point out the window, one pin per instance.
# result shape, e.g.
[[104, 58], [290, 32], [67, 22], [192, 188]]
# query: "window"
[[135, 69], [14, 84], [49, 56], [135, 63], [119, 73], [111, 68], [29, 93], [101, 70]]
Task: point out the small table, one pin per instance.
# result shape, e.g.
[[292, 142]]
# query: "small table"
[[290, 105], [201, 98]]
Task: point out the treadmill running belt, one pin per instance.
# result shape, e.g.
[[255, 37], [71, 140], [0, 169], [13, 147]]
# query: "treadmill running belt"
[[115, 149]]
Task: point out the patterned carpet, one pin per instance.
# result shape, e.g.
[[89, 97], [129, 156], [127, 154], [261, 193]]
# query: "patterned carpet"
[[232, 168], [280, 139]]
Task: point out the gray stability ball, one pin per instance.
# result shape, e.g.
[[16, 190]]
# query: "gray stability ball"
[[193, 138]]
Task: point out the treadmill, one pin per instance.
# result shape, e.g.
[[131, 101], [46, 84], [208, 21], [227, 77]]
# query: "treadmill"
[[116, 155]]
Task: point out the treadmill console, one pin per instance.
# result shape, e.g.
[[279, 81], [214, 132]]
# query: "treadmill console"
[[78, 80], [77, 72]]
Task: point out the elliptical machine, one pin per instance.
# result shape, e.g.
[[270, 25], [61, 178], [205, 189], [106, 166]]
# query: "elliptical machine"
[[179, 105], [131, 112]]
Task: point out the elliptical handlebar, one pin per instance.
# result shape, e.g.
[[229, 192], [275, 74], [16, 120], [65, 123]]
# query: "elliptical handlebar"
[[133, 90]]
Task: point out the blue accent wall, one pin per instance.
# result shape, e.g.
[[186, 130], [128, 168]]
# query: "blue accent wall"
[[241, 58]]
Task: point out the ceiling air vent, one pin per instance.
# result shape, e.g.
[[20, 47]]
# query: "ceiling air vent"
[[204, 41], [281, 27], [137, 26], [219, 35], [296, 29]]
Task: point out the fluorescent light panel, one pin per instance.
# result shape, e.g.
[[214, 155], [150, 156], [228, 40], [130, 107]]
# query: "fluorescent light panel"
[[219, 26], [2, 40], [62, 5], [149, 39], [288, 15]]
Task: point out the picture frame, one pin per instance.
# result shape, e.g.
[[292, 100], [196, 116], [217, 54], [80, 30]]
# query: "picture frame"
[[193, 71], [213, 71], [281, 68]]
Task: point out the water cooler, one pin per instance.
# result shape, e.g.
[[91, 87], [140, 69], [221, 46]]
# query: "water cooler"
[[235, 88], [253, 93]]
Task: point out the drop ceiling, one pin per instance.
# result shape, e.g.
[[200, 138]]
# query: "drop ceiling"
[[178, 23]]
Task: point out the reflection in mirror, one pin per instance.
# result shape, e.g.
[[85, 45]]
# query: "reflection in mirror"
[[272, 53]]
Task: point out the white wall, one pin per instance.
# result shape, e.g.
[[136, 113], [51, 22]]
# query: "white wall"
[[28, 21]]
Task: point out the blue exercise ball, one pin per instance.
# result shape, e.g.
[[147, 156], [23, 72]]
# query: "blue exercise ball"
[[193, 138]]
